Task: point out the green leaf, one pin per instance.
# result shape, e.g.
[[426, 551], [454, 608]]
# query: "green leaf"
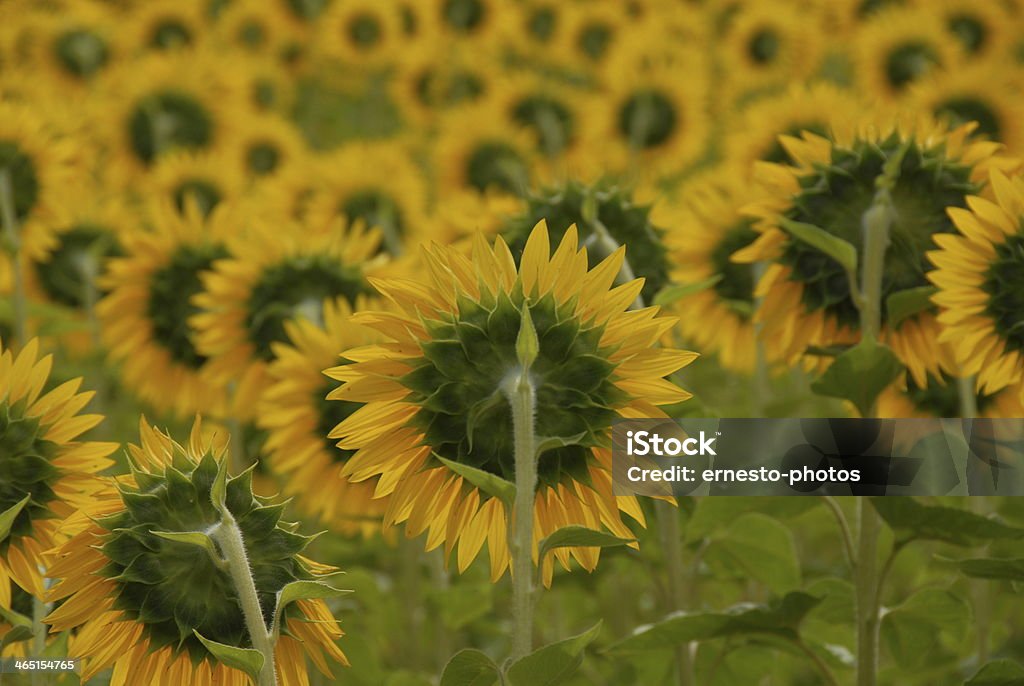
[[491, 484], [758, 547], [15, 635], [219, 489], [462, 604], [904, 304], [994, 568], [470, 667], [913, 630], [677, 291], [911, 519], [839, 250], [580, 536], [545, 443], [8, 516], [14, 618], [860, 375], [715, 514], [554, 663], [196, 538], [527, 344], [998, 673], [780, 619], [249, 660], [306, 590]]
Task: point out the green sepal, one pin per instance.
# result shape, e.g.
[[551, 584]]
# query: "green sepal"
[[196, 538], [527, 345], [860, 374], [545, 443], [579, 537], [219, 489], [249, 660], [14, 618], [8, 516], [470, 667], [677, 291], [839, 250], [906, 303], [491, 484], [553, 664]]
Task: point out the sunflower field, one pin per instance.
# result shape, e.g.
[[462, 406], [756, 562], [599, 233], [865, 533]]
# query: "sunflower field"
[[316, 317]]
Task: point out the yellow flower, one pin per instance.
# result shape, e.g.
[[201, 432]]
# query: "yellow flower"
[[296, 416], [46, 472], [76, 44], [978, 273], [983, 29], [807, 300], [433, 390], [257, 27], [145, 317], [429, 79], [207, 179], [361, 32], [275, 272], [262, 145], [163, 25], [941, 398], [137, 599]]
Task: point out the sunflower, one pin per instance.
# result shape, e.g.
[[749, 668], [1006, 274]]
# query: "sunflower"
[[899, 47], [206, 178], [296, 415], [754, 135], [361, 32], [39, 165], [276, 272], [979, 275], [651, 118], [535, 26], [79, 43], [166, 102], [940, 397], [261, 145], [257, 27], [163, 25], [591, 35], [475, 151], [145, 317], [983, 29], [261, 83], [769, 43], [807, 299], [981, 92], [604, 216], [434, 391], [476, 21], [46, 473], [138, 598], [389, 195], [708, 228], [429, 79]]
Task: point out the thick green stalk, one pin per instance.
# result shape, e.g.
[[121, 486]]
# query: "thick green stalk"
[[12, 236], [968, 397], [671, 544], [522, 398], [229, 537], [867, 593]]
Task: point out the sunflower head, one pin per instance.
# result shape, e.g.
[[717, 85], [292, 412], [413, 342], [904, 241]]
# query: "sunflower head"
[[435, 391], [160, 589], [604, 216]]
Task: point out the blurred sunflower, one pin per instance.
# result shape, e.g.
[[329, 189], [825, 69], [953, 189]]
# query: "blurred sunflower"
[[476, 21], [261, 83], [535, 26], [979, 274], [807, 300], [257, 27], [476, 151], [983, 29], [78, 44], [940, 397], [434, 391], [295, 413], [755, 133], [592, 33], [46, 473], [145, 317], [361, 32], [429, 79], [899, 47], [604, 217], [769, 43], [707, 228], [982, 92], [137, 599], [261, 145], [165, 102], [206, 178], [390, 195], [275, 272], [163, 25]]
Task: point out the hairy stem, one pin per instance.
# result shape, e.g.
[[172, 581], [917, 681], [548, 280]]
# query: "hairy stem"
[[671, 543], [229, 537], [844, 529], [12, 236], [867, 593]]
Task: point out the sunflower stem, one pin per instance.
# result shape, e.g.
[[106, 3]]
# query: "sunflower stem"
[[968, 397], [671, 541], [12, 236], [867, 593], [229, 537]]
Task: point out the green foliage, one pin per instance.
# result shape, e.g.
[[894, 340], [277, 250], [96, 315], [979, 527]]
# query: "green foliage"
[[839, 250], [912, 520], [997, 569], [757, 547], [470, 667], [912, 630], [579, 536], [554, 663], [998, 673], [905, 304], [860, 374], [248, 660]]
